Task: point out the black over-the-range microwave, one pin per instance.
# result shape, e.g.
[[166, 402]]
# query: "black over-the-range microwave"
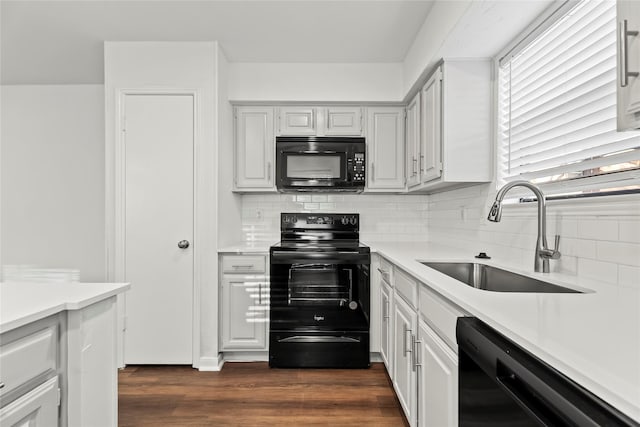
[[329, 164]]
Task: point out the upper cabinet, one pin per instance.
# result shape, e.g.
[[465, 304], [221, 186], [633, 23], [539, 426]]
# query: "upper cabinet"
[[628, 92], [345, 121], [385, 149], [412, 145], [320, 121], [297, 121], [254, 148], [455, 146]]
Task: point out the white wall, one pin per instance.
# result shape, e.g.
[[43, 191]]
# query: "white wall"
[[384, 217], [53, 178], [600, 238], [315, 82], [229, 204]]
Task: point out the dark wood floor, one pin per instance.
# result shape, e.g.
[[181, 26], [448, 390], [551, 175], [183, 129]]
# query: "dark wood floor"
[[251, 394]]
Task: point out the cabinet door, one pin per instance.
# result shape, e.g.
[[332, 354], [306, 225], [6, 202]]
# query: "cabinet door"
[[343, 121], [385, 148], [386, 329], [413, 141], [404, 376], [297, 121], [430, 161], [437, 380], [244, 312], [628, 12], [254, 147], [39, 407]]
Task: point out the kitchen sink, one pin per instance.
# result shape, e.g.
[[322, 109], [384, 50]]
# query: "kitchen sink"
[[488, 278]]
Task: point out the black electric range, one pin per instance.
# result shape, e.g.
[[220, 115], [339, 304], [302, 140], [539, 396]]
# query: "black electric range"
[[319, 305]]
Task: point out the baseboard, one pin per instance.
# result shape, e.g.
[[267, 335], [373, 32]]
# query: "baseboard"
[[246, 356], [211, 363]]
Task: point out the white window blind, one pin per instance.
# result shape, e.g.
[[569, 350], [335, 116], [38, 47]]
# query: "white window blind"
[[557, 106]]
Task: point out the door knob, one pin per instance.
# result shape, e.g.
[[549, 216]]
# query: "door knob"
[[183, 244]]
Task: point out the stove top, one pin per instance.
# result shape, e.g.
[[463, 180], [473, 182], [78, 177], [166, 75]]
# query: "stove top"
[[320, 232]]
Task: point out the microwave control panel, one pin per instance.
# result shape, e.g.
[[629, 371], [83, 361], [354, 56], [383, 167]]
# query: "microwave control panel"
[[356, 165]]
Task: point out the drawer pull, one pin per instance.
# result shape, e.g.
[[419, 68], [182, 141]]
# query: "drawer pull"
[[242, 266]]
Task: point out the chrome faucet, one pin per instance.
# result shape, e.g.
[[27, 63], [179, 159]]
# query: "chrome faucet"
[[542, 251]]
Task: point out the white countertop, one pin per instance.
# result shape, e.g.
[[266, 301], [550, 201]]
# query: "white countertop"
[[255, 247], [593, 338], [23, 303]]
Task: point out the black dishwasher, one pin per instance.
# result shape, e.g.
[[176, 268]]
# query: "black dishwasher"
[[501, 384]]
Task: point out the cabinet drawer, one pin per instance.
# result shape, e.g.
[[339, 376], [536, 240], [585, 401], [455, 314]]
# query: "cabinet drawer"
[[386, 271], [243, 264], [28, 358], [440, 314], [406, 286]]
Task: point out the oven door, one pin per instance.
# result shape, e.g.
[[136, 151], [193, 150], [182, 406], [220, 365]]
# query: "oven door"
[[319, 291]]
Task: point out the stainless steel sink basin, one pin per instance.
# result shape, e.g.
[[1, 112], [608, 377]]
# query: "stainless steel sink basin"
[[490, 278]]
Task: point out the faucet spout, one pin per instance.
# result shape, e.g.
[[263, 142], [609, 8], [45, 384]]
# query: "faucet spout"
[[543, 253]]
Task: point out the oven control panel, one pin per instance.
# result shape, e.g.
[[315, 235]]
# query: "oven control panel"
[[309, 220]]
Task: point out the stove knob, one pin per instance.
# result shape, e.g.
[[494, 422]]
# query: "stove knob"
[[353, 220], [344, 220]]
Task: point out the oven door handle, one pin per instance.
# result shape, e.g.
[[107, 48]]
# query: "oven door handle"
[[319, 339], [293, 257]]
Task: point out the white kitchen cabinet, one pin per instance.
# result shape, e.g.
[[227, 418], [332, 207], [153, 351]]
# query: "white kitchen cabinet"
[[385, 149], [628, 92], [244, 303], [430, 145], [405, 321], [455, 138], [29, 367], [437, 380], [342, 121], [386, 328], [37, 408], [293, 121], [413, 155], [254, 148]]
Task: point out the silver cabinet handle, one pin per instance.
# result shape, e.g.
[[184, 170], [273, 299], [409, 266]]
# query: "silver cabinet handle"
[[624, 54], [386, 311], [269, 171], [385, 275], [373, 175], [416, 356], [183, 244], [415, 167], [259, 293], [242, 266], [421, 162], [407, 349]]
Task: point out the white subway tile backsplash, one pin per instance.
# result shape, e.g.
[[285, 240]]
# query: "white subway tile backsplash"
[[629, 276], [619, 252], [598, 229], [630, 231], [598, 270]]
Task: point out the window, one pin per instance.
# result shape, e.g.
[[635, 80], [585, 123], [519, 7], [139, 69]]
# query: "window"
[[557, 107]]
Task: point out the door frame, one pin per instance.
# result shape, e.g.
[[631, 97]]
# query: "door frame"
[[116, 205]]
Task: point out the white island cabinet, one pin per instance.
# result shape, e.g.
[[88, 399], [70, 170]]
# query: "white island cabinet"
[[58, 354]]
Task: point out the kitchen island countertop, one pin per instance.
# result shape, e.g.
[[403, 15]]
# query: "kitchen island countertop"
[[23, 302]]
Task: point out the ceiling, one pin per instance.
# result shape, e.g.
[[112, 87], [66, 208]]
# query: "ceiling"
[[59, 42]]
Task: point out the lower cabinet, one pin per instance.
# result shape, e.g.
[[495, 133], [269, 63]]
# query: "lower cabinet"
[[405, 321], [437, 380], [39, 407], [61, 370], [386, 332], [244, 303], [416, 335]]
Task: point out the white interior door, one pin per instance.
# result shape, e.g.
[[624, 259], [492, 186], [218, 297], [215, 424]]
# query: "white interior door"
[[159, 144]]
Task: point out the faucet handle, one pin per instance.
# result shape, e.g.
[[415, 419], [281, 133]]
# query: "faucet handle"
[[556, 244], [552, 253]]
